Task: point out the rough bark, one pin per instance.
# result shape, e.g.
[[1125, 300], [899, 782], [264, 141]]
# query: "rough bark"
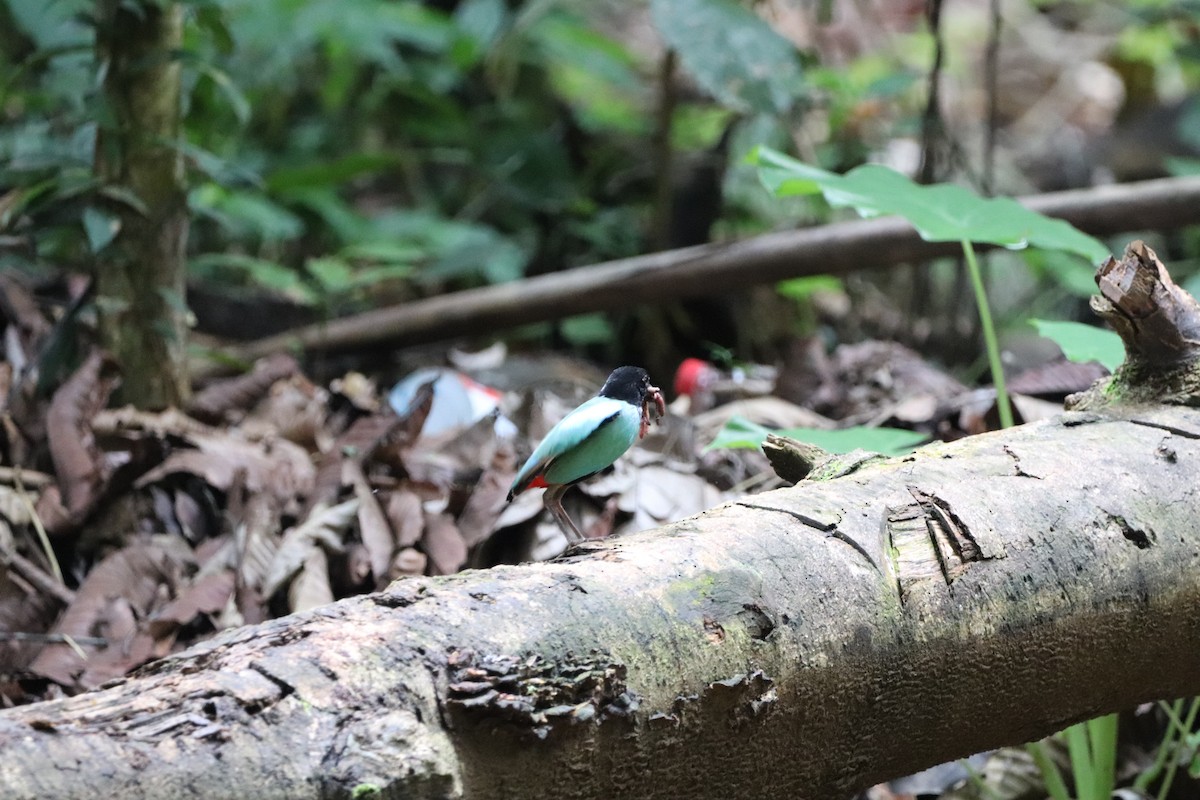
[[713, 269], [801, 643], [141, 278], [1159, 324]]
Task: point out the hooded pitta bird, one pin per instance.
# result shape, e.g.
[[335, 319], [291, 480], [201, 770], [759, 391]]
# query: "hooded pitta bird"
[[589, 439]]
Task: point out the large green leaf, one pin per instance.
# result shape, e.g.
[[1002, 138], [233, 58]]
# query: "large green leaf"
[[732, 52], [1083, 343], [742, 433], [51, 24], [940, 213]]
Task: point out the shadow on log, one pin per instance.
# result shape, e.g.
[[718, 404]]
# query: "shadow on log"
[[805, 643]]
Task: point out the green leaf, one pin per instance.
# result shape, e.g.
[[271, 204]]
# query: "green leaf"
[[233, 94], [481, 20], [804, 288], [260, 271], [940, 213], [211, 20], [248, 214], [321, 174], [742, 433], [731, 52], [384, 252], [739, 432], [1083, 343], [101, 227], [333, 274], [1064, 270], [586, 329], [51, 24], [1182, 167]]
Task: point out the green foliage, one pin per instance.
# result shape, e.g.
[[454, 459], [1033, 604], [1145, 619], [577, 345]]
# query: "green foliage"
[[1083, 343], [742, 433], [1092, 747], [587, 329], [732, 53], [1180, 746], [319, 135]]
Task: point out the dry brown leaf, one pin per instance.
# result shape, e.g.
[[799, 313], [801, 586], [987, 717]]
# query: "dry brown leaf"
[[20, 310], [443, 544], [121, 589], [257, 539], [207, 595], [868, 377], [323, 528], [23, 609], [242, 393], [665, 495], [350, 573], [380, 436], [466, 448], [770, 412], [363, 441], [359, 390], [297, 410], [196, 511], [373, 528], [1057, 378], [16, 504], [128, 422], [409, 561], [276, 466], [483, 507], [405, 512], [6, 384], [78, 462], [310, 588]]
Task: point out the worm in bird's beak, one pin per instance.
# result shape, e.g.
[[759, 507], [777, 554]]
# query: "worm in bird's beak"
[[654, 396]]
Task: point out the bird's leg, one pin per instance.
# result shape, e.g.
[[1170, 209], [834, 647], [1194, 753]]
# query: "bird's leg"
[[552, 499]]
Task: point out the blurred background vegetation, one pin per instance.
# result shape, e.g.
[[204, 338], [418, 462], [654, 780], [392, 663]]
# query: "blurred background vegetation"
[[351, 154]]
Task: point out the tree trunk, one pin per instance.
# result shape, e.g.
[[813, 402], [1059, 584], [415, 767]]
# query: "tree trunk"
[[802, 643], [141, 279]]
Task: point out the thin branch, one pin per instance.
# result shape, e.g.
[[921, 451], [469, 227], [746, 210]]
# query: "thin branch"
[[707, 270]]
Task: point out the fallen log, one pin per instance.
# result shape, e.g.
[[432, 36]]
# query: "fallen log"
[[807, 642], [803, 643], [713, 269]]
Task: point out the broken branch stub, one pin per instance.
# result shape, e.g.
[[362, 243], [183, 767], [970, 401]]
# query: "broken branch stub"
[[1157, 320], [1159, 324]]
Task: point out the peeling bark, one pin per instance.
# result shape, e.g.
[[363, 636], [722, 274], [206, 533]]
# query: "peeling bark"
[[804, 643]]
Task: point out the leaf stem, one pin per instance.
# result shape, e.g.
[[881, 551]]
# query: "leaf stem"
[[1056, 787], [1103, 735], [1003, 405]]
